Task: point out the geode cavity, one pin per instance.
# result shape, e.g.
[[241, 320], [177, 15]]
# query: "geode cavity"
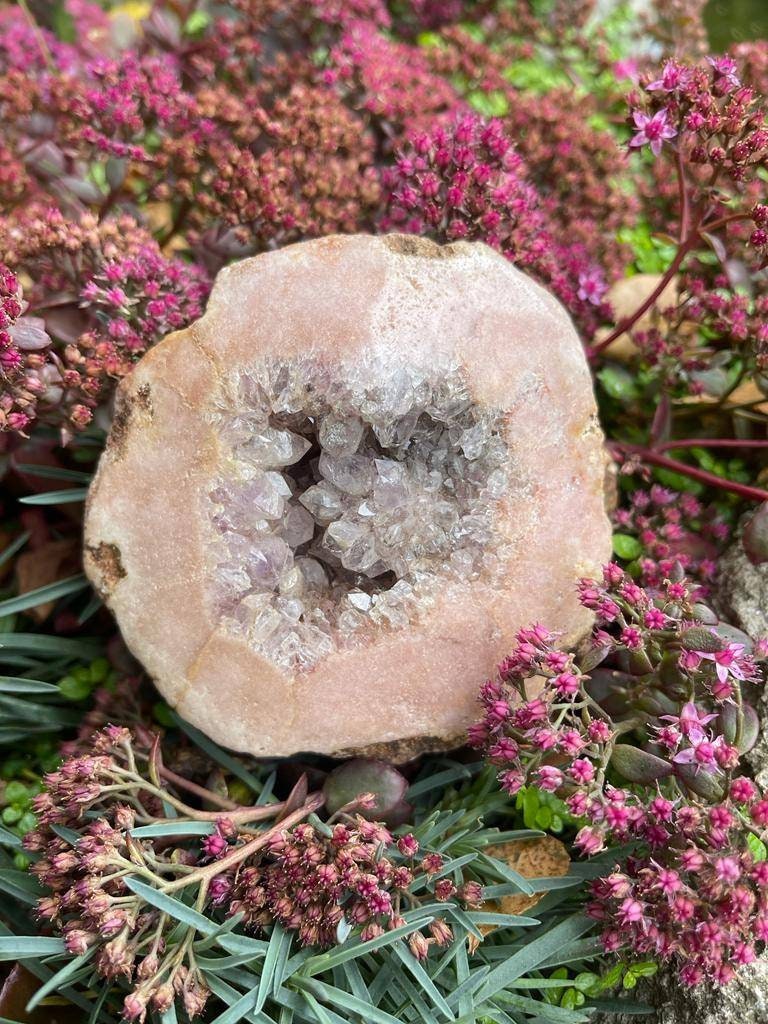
[[327, 506]]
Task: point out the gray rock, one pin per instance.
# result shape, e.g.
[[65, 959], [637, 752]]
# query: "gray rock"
[[742, 591], [742, 598], [744, 1001]]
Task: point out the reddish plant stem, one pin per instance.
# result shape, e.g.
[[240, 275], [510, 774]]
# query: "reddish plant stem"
[[685, 206], [239, 854], [722, 222], [653, 458], [628, 322], [709, 442], [689, 237], [191, 787]]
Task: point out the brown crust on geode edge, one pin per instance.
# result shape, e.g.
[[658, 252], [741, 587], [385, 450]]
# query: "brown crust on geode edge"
[[105, 567], [402, 751], [424, 248], [144, 537]]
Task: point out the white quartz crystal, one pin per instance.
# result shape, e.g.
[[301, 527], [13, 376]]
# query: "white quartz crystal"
[[388, 491]]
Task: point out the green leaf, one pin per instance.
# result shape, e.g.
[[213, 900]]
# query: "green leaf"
[[319, 1013], [757, 847], [498, 867], [65, 497], [8, 838], [42, 715], [75, 689], [618, 382], [532, 954], [441, 780], [16, 684], [171, 906], [238, 1009], [56, 473], [240, 944], [174, 828], [640, 766], [645, 969], [22, 886], [338, 998], [325, 961], [67, 834], [428, 986], [197, 22], [272, 971], [28, 947], [60, 978], [42, 595], [229, 995], [43, 644], [626, 547]]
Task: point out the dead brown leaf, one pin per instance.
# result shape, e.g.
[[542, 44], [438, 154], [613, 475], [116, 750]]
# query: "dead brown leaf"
[[52, 561], [543, 857]]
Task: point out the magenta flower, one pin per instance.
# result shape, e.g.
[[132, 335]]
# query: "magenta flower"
[[702, 753], [728, 662], [691, 722], [673, 77], [725, 72], [652, 131]]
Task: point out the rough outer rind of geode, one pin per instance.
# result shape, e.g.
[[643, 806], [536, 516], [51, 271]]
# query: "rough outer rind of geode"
[[326, 507]]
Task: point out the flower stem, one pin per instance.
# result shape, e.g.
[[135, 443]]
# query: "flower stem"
[[655, 458], [202, 875], [628, 322]]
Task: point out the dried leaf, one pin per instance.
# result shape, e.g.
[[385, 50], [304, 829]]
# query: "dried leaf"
[[18, 989], [55, 560], [543, 857]]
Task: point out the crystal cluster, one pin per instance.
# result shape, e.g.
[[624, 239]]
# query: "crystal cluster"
[[339, 508]]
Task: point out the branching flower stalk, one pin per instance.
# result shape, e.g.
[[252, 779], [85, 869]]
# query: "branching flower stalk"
[[313, 878]]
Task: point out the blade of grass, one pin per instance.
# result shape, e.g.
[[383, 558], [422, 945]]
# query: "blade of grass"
[[8, 838], [214, 751], [339, 998], [175, 828], [59, 978], [411, 964], [534, 953], [17, 684], [14, 546], [171, 906], [355, 948], [64, 497], [274, 964], [41, 595], [441, 780], [27, 947], [42, 644], [55, 473], [20, 885]]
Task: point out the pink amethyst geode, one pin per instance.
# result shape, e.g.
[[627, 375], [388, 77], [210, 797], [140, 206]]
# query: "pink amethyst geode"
[[326, 507]]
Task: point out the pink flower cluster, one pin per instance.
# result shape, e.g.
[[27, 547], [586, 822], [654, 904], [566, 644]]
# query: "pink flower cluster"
[[699, 897], [716, 123], [106, 293], [676, 746], [19, 335], [674, 529], [313, 883], [465, 181]]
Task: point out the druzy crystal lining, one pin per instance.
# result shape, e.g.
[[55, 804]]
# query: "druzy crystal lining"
[[340, 506]]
